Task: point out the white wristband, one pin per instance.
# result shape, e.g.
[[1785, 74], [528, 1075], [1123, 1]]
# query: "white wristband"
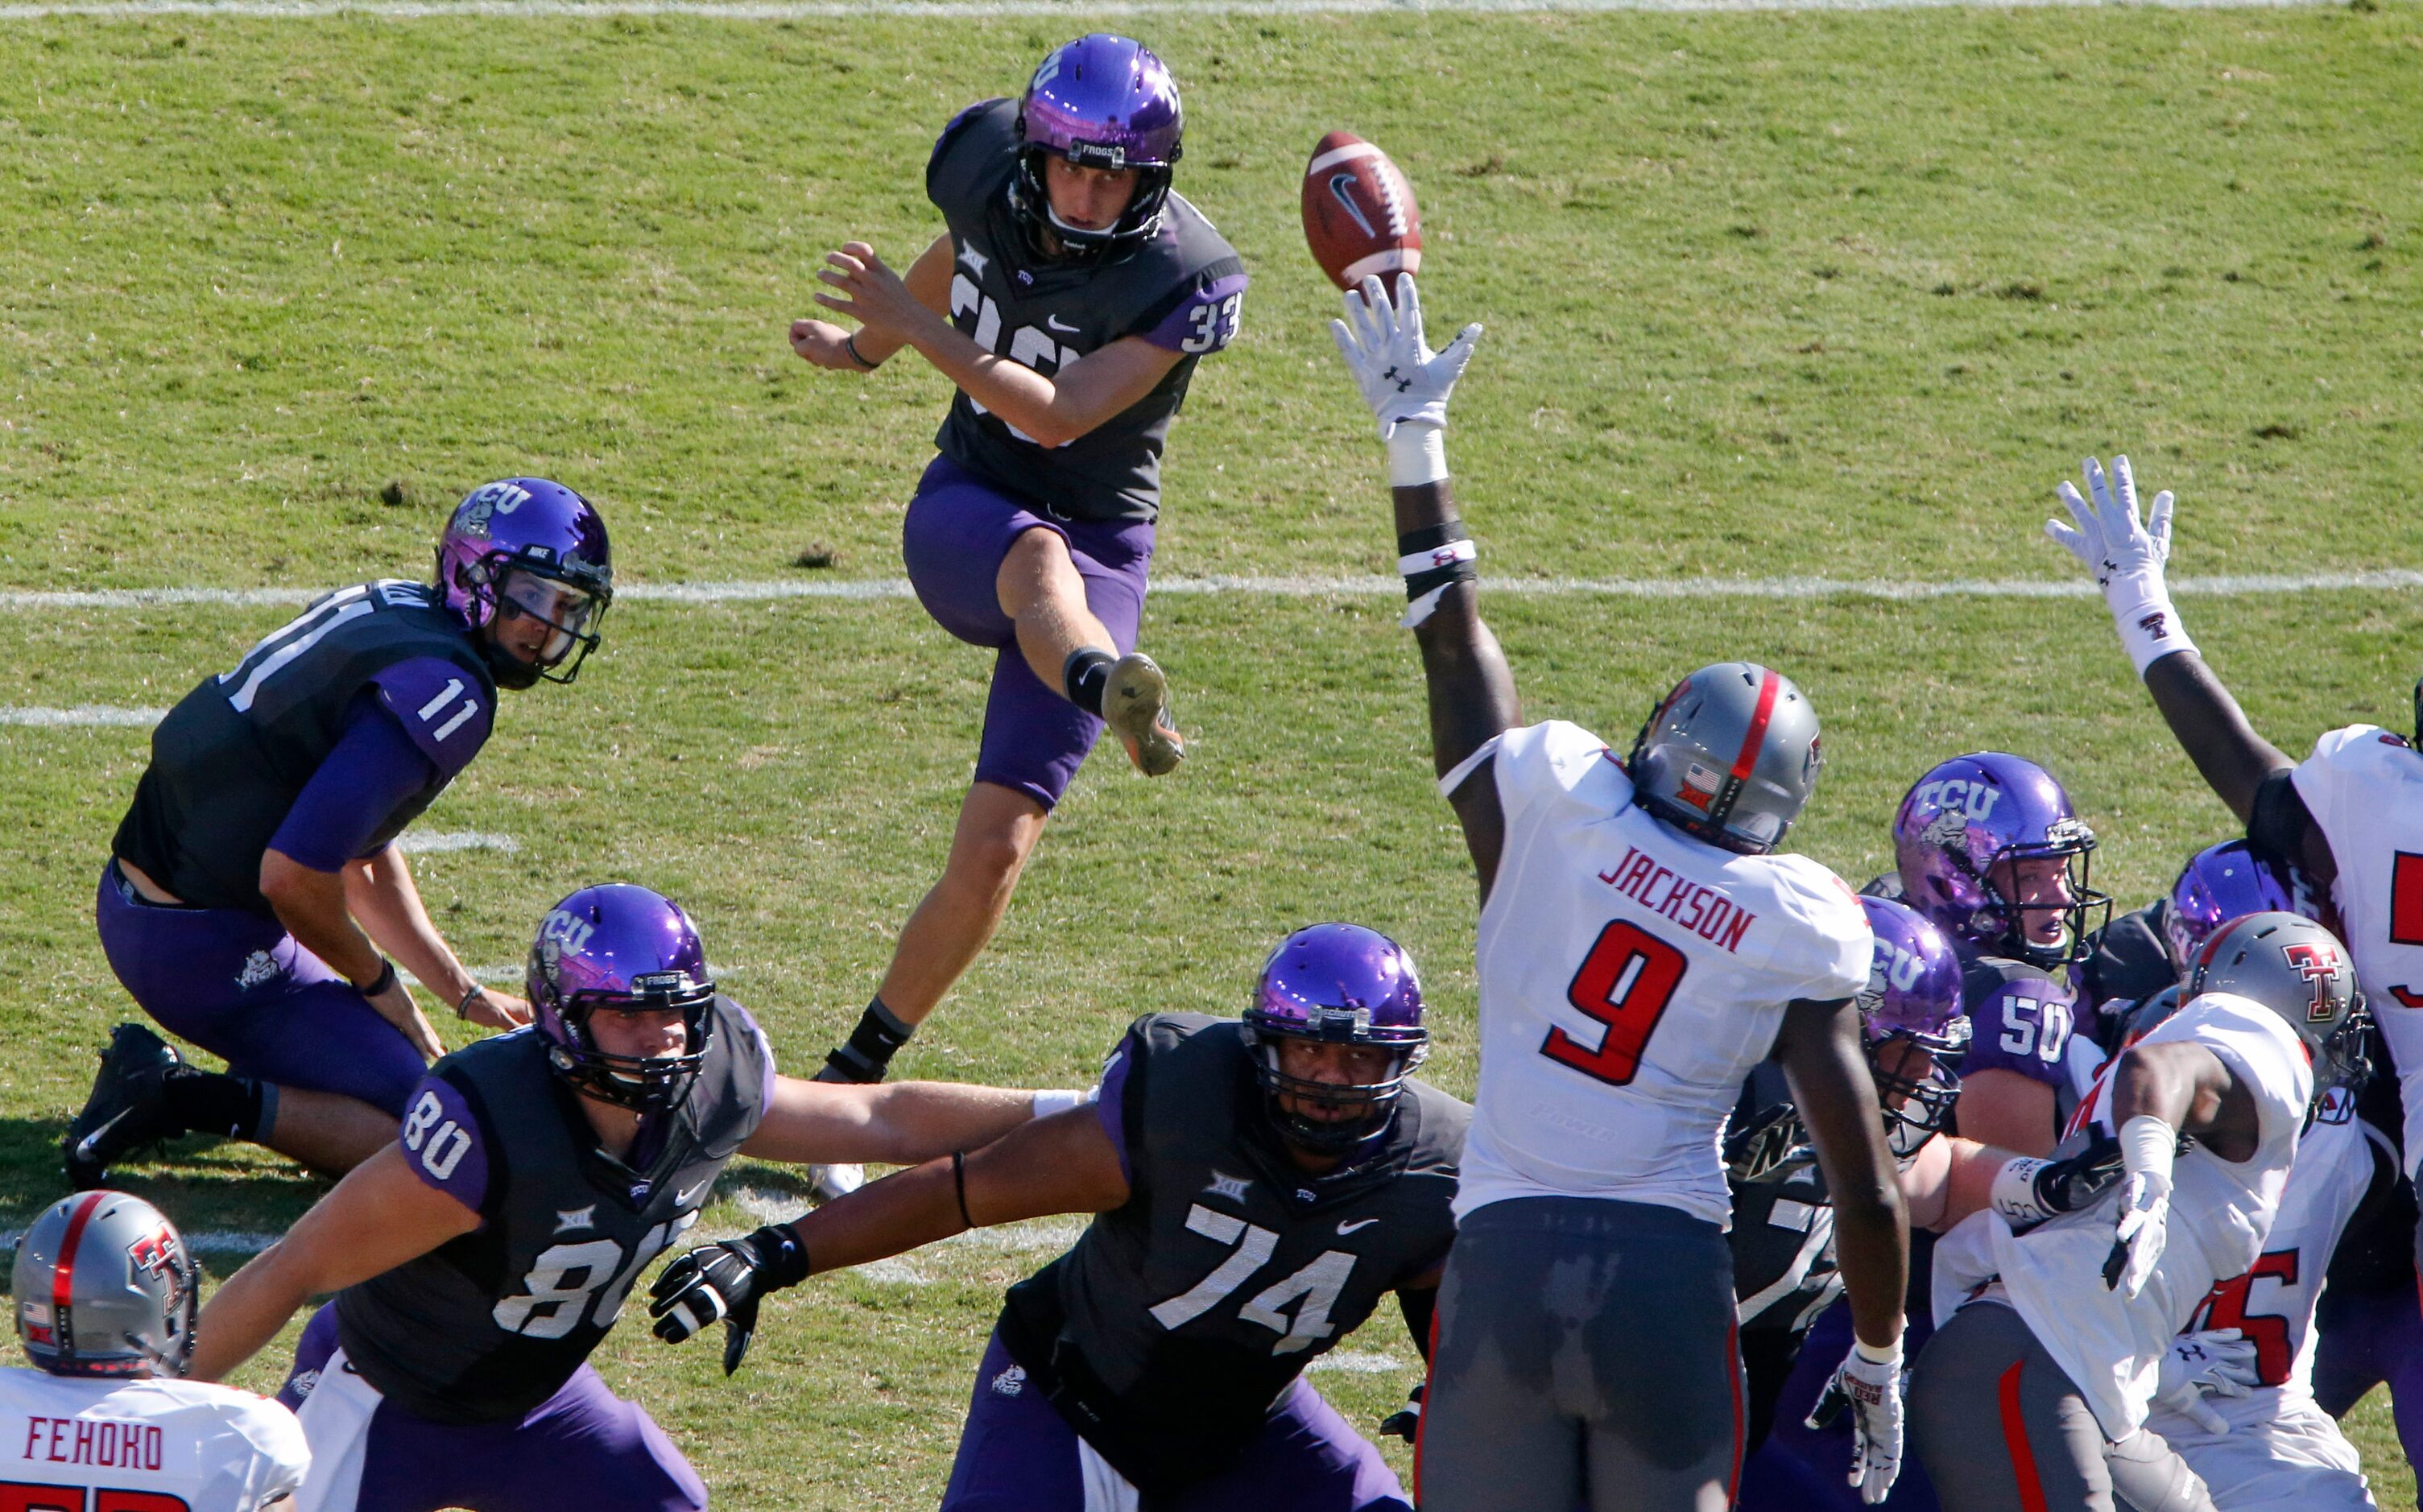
[[1060, 1100], [2148, 1145], [1417, 454], [2150, 628], [1445, 556], [2015, 1191]]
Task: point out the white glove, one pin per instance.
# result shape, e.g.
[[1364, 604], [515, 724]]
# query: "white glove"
[[2147, 1148], [1404, 382], [2217, 1363], [2127, 556], [1872, 1389]]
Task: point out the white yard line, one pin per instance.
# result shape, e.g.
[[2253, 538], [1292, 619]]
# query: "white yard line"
[[2236, 585], [436, 842], [954, 9], [95, 716]]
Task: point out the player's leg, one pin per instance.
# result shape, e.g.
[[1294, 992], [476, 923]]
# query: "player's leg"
[[1585, 1349], [313, 1071], [1307, 1459], [2297, 1462], [356, 1463], [1998, 1425], [1077, 611], [1017, 1453]]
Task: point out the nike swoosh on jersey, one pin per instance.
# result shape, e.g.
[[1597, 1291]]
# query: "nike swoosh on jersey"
[[1344, 1229], [683, 1199], [1054, 321]]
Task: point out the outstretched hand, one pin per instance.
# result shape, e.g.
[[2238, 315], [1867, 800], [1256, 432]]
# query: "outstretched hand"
[[2108, 535], [1403, 381], [865, 288]]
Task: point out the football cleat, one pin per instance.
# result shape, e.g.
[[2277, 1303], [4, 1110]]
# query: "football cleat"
[[128, 1108], [827, 1182], [1135, 705]]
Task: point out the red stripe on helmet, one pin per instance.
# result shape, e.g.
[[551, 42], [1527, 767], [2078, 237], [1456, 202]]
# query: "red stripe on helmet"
[[1767, 685], [63, 1268]]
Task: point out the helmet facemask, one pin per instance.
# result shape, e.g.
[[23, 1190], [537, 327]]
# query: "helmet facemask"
[[1030, 201], [1917, 1106], [507, 588], [2006, 924], [643, 1083], [1362, 1109]]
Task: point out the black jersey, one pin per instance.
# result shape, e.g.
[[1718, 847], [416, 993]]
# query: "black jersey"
[[1181, 289], [491, 1323], [1171, 1330], [2130, 962], [229, 759]]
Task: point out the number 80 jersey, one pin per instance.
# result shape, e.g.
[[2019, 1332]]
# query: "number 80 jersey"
[[489, 1325], [1630, 977]]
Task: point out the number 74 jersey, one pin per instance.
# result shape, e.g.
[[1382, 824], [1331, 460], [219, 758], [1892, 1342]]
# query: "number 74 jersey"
[[1630, 977]]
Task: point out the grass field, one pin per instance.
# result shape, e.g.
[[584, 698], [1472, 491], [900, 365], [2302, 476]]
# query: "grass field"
[[1768, 294]]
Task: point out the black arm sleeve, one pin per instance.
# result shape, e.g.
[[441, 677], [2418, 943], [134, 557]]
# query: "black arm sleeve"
[[1418, 1307], [2280, 821]]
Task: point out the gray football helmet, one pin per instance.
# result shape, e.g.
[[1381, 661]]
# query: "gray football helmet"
[[104, 1287], [1729, 756], [2300, 970]]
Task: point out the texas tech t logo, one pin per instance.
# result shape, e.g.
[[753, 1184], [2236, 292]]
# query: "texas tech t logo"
[[2319, 965]]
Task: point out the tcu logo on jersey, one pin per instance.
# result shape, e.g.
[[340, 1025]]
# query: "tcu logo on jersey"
[[2319, 964], [1958, 797]]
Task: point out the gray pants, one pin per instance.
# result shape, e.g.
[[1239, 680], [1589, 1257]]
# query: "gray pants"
[[2001, 1428], [1586, 1358]]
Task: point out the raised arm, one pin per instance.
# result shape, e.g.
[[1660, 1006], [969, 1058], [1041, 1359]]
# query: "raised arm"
[[897, 1123], [2130, 556], [379, 1217], [1065, 1163], [1472, 689]]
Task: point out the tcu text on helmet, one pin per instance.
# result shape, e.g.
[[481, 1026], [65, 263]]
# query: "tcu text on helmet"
[[1956, 794]]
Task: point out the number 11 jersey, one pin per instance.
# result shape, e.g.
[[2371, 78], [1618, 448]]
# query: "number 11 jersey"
[[1630, 977]]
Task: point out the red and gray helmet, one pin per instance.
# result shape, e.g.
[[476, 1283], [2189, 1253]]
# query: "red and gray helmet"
[[2300, 970], [1729, 756], [104, 1287], [526, 547]]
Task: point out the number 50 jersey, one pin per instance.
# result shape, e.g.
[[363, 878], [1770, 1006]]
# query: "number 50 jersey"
[[489, 1325], [1630, 978]]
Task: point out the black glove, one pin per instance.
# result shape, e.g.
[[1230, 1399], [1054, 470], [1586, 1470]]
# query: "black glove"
[[2066, 1186], [1406, 1421], [725, 1280]]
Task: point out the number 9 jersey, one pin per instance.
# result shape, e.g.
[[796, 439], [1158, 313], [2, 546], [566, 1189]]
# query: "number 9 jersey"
[[1630, 978]]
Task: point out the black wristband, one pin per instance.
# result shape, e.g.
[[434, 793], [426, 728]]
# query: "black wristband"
[[849, 343], [382, 982], [1431, 537], [1420, 583], [959, 1184], [781, 1257], [463, 1008]]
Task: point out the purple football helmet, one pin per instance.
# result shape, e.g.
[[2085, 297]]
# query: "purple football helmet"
[[1990, 812], [1335, 984], [620, 949], [523, 546], [1912, 1000], [2223, 882], [1100, 101]]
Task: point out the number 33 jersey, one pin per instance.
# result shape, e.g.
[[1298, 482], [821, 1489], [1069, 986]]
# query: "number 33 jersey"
[[489, 1325], [1630, 978]]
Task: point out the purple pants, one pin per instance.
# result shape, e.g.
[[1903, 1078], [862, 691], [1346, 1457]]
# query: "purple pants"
[[243, 989], [1801, 1468], [2364, 1339], [958, 528], [1018, 1453], [583, 1448]]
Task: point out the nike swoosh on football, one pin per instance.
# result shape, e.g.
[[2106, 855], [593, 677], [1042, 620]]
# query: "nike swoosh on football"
[[85, 1145], [1358, 1223]]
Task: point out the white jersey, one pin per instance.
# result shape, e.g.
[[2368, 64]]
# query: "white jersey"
[[213, 1448], [2363, 787], [1630, 977], [2282, 1450], [2221, 1213]]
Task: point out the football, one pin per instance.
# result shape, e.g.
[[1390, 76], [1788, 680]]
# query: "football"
[[1359, 216]]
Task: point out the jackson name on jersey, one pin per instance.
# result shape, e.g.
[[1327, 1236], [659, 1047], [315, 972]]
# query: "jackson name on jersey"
[[1630, 977]]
